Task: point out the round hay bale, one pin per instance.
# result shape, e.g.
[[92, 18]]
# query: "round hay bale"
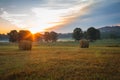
[[84, 43], [25, 45]]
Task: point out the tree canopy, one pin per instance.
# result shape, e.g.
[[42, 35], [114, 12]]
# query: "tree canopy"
[[13, 36], [50, 36], [77, 34], [93, 34], [25, 35]]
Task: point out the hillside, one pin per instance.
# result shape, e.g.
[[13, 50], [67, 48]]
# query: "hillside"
[[106, 32], [110, 31]]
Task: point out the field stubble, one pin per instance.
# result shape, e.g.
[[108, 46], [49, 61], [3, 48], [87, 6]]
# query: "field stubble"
[[59, 61]]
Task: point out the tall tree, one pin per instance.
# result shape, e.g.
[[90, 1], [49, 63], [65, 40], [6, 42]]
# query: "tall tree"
[[97, 34], [93, 34], [47, 36], [77, 34], [50, 36], [53, 36], [38, 37], [13, 36], [25, 35], [85, 34]]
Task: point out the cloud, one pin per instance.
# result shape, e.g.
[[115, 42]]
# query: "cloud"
[[103, 13], [62, 4], [60, 16], [99, 14], [15, 19], [55, 13], [1, 9]]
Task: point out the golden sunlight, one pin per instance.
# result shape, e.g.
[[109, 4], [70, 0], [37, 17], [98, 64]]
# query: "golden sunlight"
[[41, 19], [42, 28], [45, 19]]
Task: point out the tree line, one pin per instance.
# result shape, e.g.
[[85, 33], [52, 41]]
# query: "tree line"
[[15, 36], [3, 37], [91, 34]]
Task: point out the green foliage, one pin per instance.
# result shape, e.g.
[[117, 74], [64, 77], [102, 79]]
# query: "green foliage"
[[77, 34], [38, 37], [50, 36], [93, 34], [53, 36], [110, 32], [13, 36], [47, 36], [113, 36], [25, 35]]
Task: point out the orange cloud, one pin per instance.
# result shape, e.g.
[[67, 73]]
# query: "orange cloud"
[[44, 18]]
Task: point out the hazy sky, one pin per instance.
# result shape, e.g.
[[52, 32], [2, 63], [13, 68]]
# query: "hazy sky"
[[57, 15]]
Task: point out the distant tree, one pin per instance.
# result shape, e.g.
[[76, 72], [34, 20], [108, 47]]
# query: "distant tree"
[[98, 34], [53, 36], [85, 34], [38, 37], [113, 36], [50, 36], [93, 34], [77, 34], [25, 35], [13, 36], [47, 36], [4, 37]]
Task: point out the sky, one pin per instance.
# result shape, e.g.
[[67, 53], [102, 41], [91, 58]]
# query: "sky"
[[61, 16]]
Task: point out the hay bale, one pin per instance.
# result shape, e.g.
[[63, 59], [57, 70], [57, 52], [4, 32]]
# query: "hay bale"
[[84, 43], [25, 45]]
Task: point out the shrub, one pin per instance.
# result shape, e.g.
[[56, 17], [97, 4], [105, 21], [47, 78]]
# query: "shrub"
[[84, 43], [25, 45]]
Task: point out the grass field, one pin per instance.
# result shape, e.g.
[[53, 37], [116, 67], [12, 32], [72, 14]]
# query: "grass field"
[[61, 61]]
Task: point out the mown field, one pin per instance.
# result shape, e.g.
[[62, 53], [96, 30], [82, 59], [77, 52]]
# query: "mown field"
[[61, 61]]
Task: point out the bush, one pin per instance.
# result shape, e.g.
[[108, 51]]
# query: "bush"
[[25, 45], [84, 43]]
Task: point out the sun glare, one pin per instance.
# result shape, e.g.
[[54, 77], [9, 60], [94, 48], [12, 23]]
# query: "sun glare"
[[42, 28], [45, 19], [41, 19]]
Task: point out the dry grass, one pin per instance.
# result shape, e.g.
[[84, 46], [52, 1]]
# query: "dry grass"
[[56, 62]]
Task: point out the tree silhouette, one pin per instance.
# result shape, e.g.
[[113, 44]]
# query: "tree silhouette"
[[47, 36], [50, 36], [53, 36], [13, 36], [38, 37], [93, 34], [25, 35], [77, 34]]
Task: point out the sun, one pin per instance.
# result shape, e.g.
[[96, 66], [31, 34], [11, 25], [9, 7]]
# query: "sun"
[[35, 30], [40, 19], [44, 19], [42, 28]]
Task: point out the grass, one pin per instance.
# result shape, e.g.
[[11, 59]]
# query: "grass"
[[61, 61]]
